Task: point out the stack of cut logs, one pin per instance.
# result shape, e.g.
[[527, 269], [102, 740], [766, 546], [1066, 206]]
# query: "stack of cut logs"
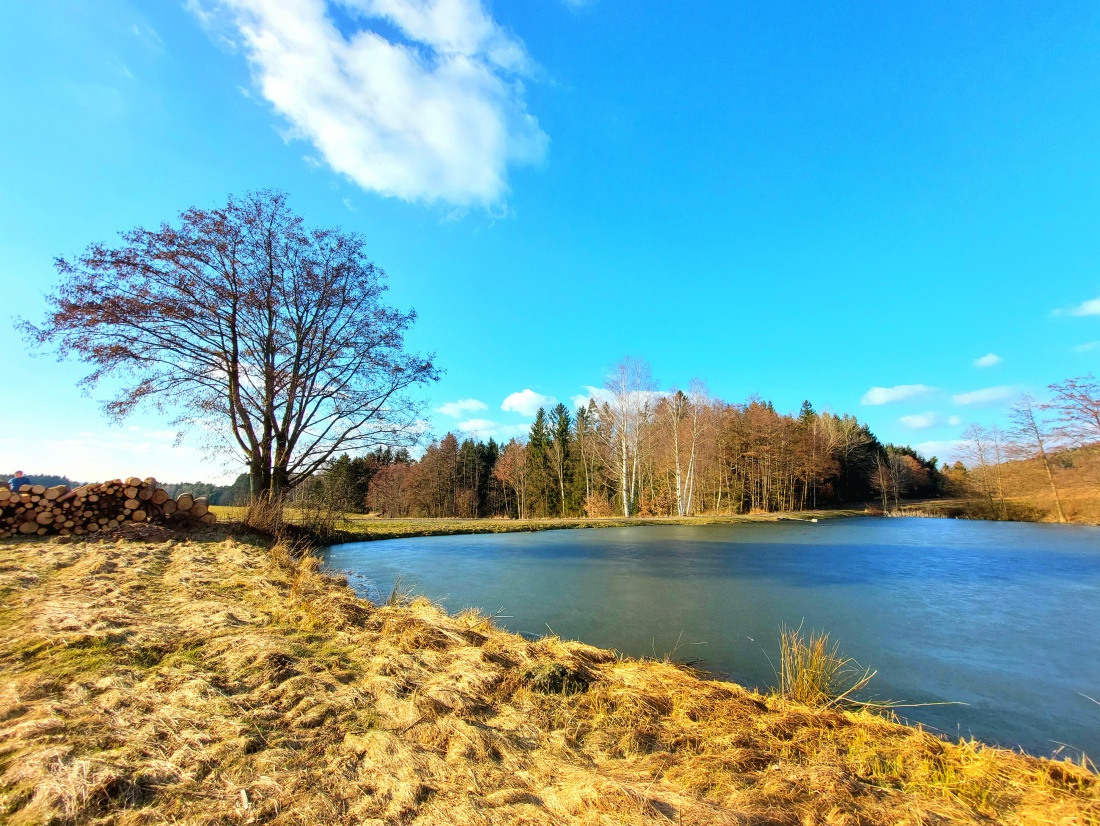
[[36, 509]]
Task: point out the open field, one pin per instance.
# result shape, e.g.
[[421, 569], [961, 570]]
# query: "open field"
[[153, 677], [364, 528]]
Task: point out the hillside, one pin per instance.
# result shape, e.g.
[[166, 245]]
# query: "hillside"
[[154, 677], [1027, 490], [1076, 475]]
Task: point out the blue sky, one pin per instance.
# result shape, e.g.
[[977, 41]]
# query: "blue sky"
[[839, 202]]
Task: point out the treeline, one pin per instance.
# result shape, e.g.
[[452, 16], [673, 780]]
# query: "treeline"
[[234, 494], [46, 479], [635, 451]]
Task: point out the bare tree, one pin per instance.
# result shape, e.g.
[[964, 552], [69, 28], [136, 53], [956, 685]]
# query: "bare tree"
[[243, 319], [511, 469], [674, 410], [587, 443], [1033, 437], [882, 480], [983, 451], [685, 411], [626, 414], [1076, 404]]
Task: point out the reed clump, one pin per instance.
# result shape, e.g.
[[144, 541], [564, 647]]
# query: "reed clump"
[[812, 670], [221, 679]]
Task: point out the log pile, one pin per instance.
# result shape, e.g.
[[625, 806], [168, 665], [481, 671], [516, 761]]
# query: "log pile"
[[38, 510]]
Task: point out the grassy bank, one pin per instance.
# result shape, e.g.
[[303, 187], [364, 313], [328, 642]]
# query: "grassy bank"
[[1019, 509], [158, 678], [357, 527]]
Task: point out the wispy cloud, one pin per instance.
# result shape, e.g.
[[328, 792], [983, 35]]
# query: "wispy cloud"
[[148, 35], [988, 360], [986, 396], [1089, 307], [900, 393], [436, 114], [1087, 347], [526, 402], [459, 408], [921, 421]]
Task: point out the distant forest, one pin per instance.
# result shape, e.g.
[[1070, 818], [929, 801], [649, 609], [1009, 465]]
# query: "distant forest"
[[665, 455], [47, 479]]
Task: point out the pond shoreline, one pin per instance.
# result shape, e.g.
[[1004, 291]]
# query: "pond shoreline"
[[363, 528], [370, 529], [728, 588]]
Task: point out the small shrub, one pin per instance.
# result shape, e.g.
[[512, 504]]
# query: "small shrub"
[[596, 507]]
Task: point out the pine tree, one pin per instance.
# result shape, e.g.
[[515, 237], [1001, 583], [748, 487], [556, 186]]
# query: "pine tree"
[[542, 495], [559, 450]]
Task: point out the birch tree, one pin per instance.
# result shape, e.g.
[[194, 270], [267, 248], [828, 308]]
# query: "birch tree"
[[627, 411], [685, 412]]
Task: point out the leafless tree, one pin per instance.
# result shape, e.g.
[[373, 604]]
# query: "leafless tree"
[[244, 320], [1076, 404], [626, 414], [1032, 436], [512, 469], [983, 451]]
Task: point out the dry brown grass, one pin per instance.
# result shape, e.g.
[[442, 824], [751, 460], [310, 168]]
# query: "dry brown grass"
[[212, 680], [1077, 476]]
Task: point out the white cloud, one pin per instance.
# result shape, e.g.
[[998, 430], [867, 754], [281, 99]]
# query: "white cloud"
[[488, 429], [988, 360], [921, 421], [1088, 346], [1089, 307], [526, 402], [902, 392], [457, 409], [438, 114], [986, 396], [941, 449], [598, 393]]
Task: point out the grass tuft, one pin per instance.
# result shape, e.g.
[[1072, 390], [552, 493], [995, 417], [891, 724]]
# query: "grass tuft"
[[813, 672]]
